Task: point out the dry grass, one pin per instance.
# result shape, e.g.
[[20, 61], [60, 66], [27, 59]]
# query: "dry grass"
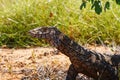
[[18, 17], [32, 63]]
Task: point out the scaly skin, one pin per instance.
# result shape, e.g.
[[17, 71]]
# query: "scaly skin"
[[90, 63]]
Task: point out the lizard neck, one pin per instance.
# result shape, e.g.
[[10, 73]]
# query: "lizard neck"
[[66, 45]]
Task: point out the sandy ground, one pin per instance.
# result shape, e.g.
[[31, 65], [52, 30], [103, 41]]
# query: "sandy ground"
[[34, 63]]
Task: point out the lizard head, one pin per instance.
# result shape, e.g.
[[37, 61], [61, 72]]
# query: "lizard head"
[[43, 32]]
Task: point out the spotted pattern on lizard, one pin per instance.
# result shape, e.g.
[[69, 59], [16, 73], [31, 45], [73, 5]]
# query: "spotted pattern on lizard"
[[83, 61]]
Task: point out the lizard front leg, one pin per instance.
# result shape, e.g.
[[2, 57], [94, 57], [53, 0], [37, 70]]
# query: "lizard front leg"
[[72, 73]]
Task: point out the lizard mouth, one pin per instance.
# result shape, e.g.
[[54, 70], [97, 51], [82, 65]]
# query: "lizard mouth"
[[32, 33], [35, 33]]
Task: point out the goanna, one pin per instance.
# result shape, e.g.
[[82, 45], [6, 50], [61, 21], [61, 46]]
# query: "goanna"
[[83, 61]]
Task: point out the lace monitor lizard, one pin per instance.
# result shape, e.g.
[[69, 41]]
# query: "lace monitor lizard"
[[92, 64]]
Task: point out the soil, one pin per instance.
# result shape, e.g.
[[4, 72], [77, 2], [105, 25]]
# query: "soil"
[[38, 63]]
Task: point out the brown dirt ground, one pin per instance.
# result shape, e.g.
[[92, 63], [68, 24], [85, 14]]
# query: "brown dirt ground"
[[45, 63]]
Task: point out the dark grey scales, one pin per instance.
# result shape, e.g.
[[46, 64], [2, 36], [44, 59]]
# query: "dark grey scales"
[[91, 64]]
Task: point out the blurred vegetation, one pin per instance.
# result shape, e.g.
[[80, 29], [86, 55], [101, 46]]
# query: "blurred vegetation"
[[98, 5], [84, 26]]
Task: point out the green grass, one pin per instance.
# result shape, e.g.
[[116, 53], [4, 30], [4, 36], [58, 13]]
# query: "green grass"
[[18, 17]]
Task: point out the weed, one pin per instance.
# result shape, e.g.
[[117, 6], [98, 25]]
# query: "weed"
[[18, 17]]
